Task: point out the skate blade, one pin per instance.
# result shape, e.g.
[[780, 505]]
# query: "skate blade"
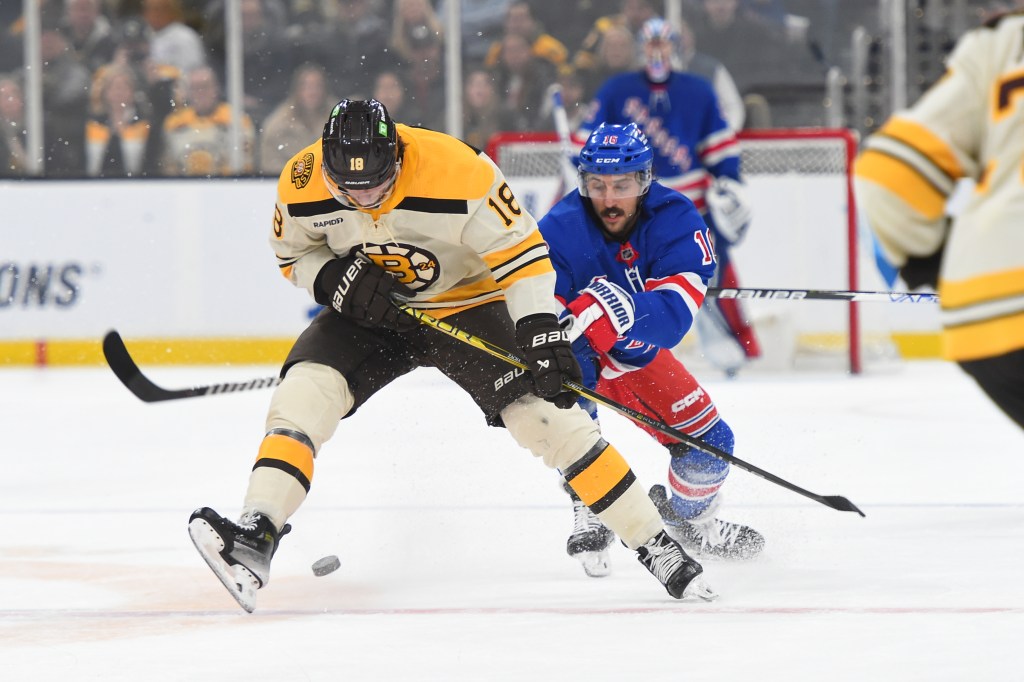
[[595, 564], [700, 589], [237, 579]]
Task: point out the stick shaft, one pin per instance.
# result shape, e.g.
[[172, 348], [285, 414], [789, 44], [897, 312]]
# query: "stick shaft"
[[835, 502], [750, 293]]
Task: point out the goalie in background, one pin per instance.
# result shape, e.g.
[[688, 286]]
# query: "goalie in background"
[[695, 153], [633, 259], [970, 124], [377, 212]]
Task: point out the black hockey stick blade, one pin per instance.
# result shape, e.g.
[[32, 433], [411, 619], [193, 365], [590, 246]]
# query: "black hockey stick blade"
[[840, 503], [131, 376]]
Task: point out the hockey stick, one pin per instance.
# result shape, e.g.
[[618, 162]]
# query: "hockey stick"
[[834, 501], [821, 295], [132, 377], [562, 128]]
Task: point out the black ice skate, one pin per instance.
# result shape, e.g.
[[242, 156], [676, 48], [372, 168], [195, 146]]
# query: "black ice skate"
[[589, 541], [238, 553], [679, 573], [707, 535]]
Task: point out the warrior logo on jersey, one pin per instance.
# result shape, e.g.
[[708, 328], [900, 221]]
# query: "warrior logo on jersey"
[[416, 268], [302, 171]]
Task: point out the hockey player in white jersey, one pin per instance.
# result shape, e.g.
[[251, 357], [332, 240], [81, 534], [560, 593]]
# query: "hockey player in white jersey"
[[970, 124], [377, 211]]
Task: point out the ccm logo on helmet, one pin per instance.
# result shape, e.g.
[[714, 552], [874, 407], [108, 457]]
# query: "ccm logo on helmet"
[[605, 160]]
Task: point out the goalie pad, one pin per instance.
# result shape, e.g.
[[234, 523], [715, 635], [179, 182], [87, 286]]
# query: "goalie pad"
[[729, 208]]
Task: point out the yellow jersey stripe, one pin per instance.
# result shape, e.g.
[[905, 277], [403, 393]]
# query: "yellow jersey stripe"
[[957, 294], [926, 142], [984, 339], [903, 180]]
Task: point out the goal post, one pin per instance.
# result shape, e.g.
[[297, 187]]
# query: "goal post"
[[804, 234]]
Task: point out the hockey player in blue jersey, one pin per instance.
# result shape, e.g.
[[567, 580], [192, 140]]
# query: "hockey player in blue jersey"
[[695, 153], [633, 259]]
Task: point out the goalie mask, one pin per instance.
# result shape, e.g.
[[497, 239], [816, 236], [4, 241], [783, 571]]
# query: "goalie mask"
[[616, 150], [360, 153]]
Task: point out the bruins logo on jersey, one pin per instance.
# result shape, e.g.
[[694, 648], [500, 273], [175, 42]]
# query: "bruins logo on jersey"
[[416, 268], [302, 171]]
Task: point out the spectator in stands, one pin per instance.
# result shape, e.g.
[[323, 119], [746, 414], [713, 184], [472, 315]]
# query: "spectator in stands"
[[701, 64], [570, 20], [65, 101], [574, 98], [90, 33], [481, 25], [727, 35], [483, 113], [296, 121], [197, 138], [423, 75], [519, 20], [352, 48], [632, 15], [412, 17], [155, 84], [389, 90], [266, 60], [13, 155], [616, 53], [173, 43], [117, 133], [522, 80]]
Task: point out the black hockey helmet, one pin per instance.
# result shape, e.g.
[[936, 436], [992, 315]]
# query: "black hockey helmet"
[[360, 145]]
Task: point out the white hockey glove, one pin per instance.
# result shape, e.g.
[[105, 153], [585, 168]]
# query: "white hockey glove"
[[604, 311], [729, 208]]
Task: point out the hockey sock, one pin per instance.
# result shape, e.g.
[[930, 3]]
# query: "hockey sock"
[[606, 484], [281, 476], [695, 477]]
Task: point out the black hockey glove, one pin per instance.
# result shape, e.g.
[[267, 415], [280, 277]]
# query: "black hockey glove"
[[922, 271], [363, 291], [549, 357]]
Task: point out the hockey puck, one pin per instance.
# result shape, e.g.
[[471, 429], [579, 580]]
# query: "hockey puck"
[[329, 564]]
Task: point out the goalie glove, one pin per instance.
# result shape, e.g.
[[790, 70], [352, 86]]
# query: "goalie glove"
[[729, 208], [604, 311]]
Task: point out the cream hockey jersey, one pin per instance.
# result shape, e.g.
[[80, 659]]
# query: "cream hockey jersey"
[[969, 124], [451, 230]]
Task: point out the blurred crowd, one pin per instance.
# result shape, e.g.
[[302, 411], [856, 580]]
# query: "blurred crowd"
[[135, 88]]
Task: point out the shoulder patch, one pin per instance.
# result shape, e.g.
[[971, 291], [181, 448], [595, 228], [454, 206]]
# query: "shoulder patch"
[[302, 170]]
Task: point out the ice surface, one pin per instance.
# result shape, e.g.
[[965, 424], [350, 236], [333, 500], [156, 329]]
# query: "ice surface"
[[452, 541]]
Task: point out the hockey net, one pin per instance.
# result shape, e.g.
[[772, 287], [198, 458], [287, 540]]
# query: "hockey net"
[[804, 235]]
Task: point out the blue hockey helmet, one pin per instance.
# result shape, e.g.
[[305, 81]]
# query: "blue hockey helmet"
[[617, 150]]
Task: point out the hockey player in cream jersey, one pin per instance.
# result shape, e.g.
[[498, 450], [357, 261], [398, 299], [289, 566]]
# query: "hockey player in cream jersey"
[[970, 124], [377, 212]]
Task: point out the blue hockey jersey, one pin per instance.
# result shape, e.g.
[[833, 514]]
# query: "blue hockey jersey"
[[692, 142], [665, 264]]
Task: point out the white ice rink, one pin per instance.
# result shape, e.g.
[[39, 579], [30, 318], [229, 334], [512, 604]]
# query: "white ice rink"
[[452, 541]]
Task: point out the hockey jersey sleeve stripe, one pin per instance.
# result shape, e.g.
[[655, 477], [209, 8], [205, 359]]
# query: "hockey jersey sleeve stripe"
[[688, 285], [717, 147], [902, 180], [984, 339], [999, 285], [927, 143], [911, 156], [514, 256]]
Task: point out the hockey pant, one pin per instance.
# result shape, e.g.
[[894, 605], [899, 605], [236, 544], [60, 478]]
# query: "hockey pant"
[[726, 336], [666, 391], [336, 366]]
